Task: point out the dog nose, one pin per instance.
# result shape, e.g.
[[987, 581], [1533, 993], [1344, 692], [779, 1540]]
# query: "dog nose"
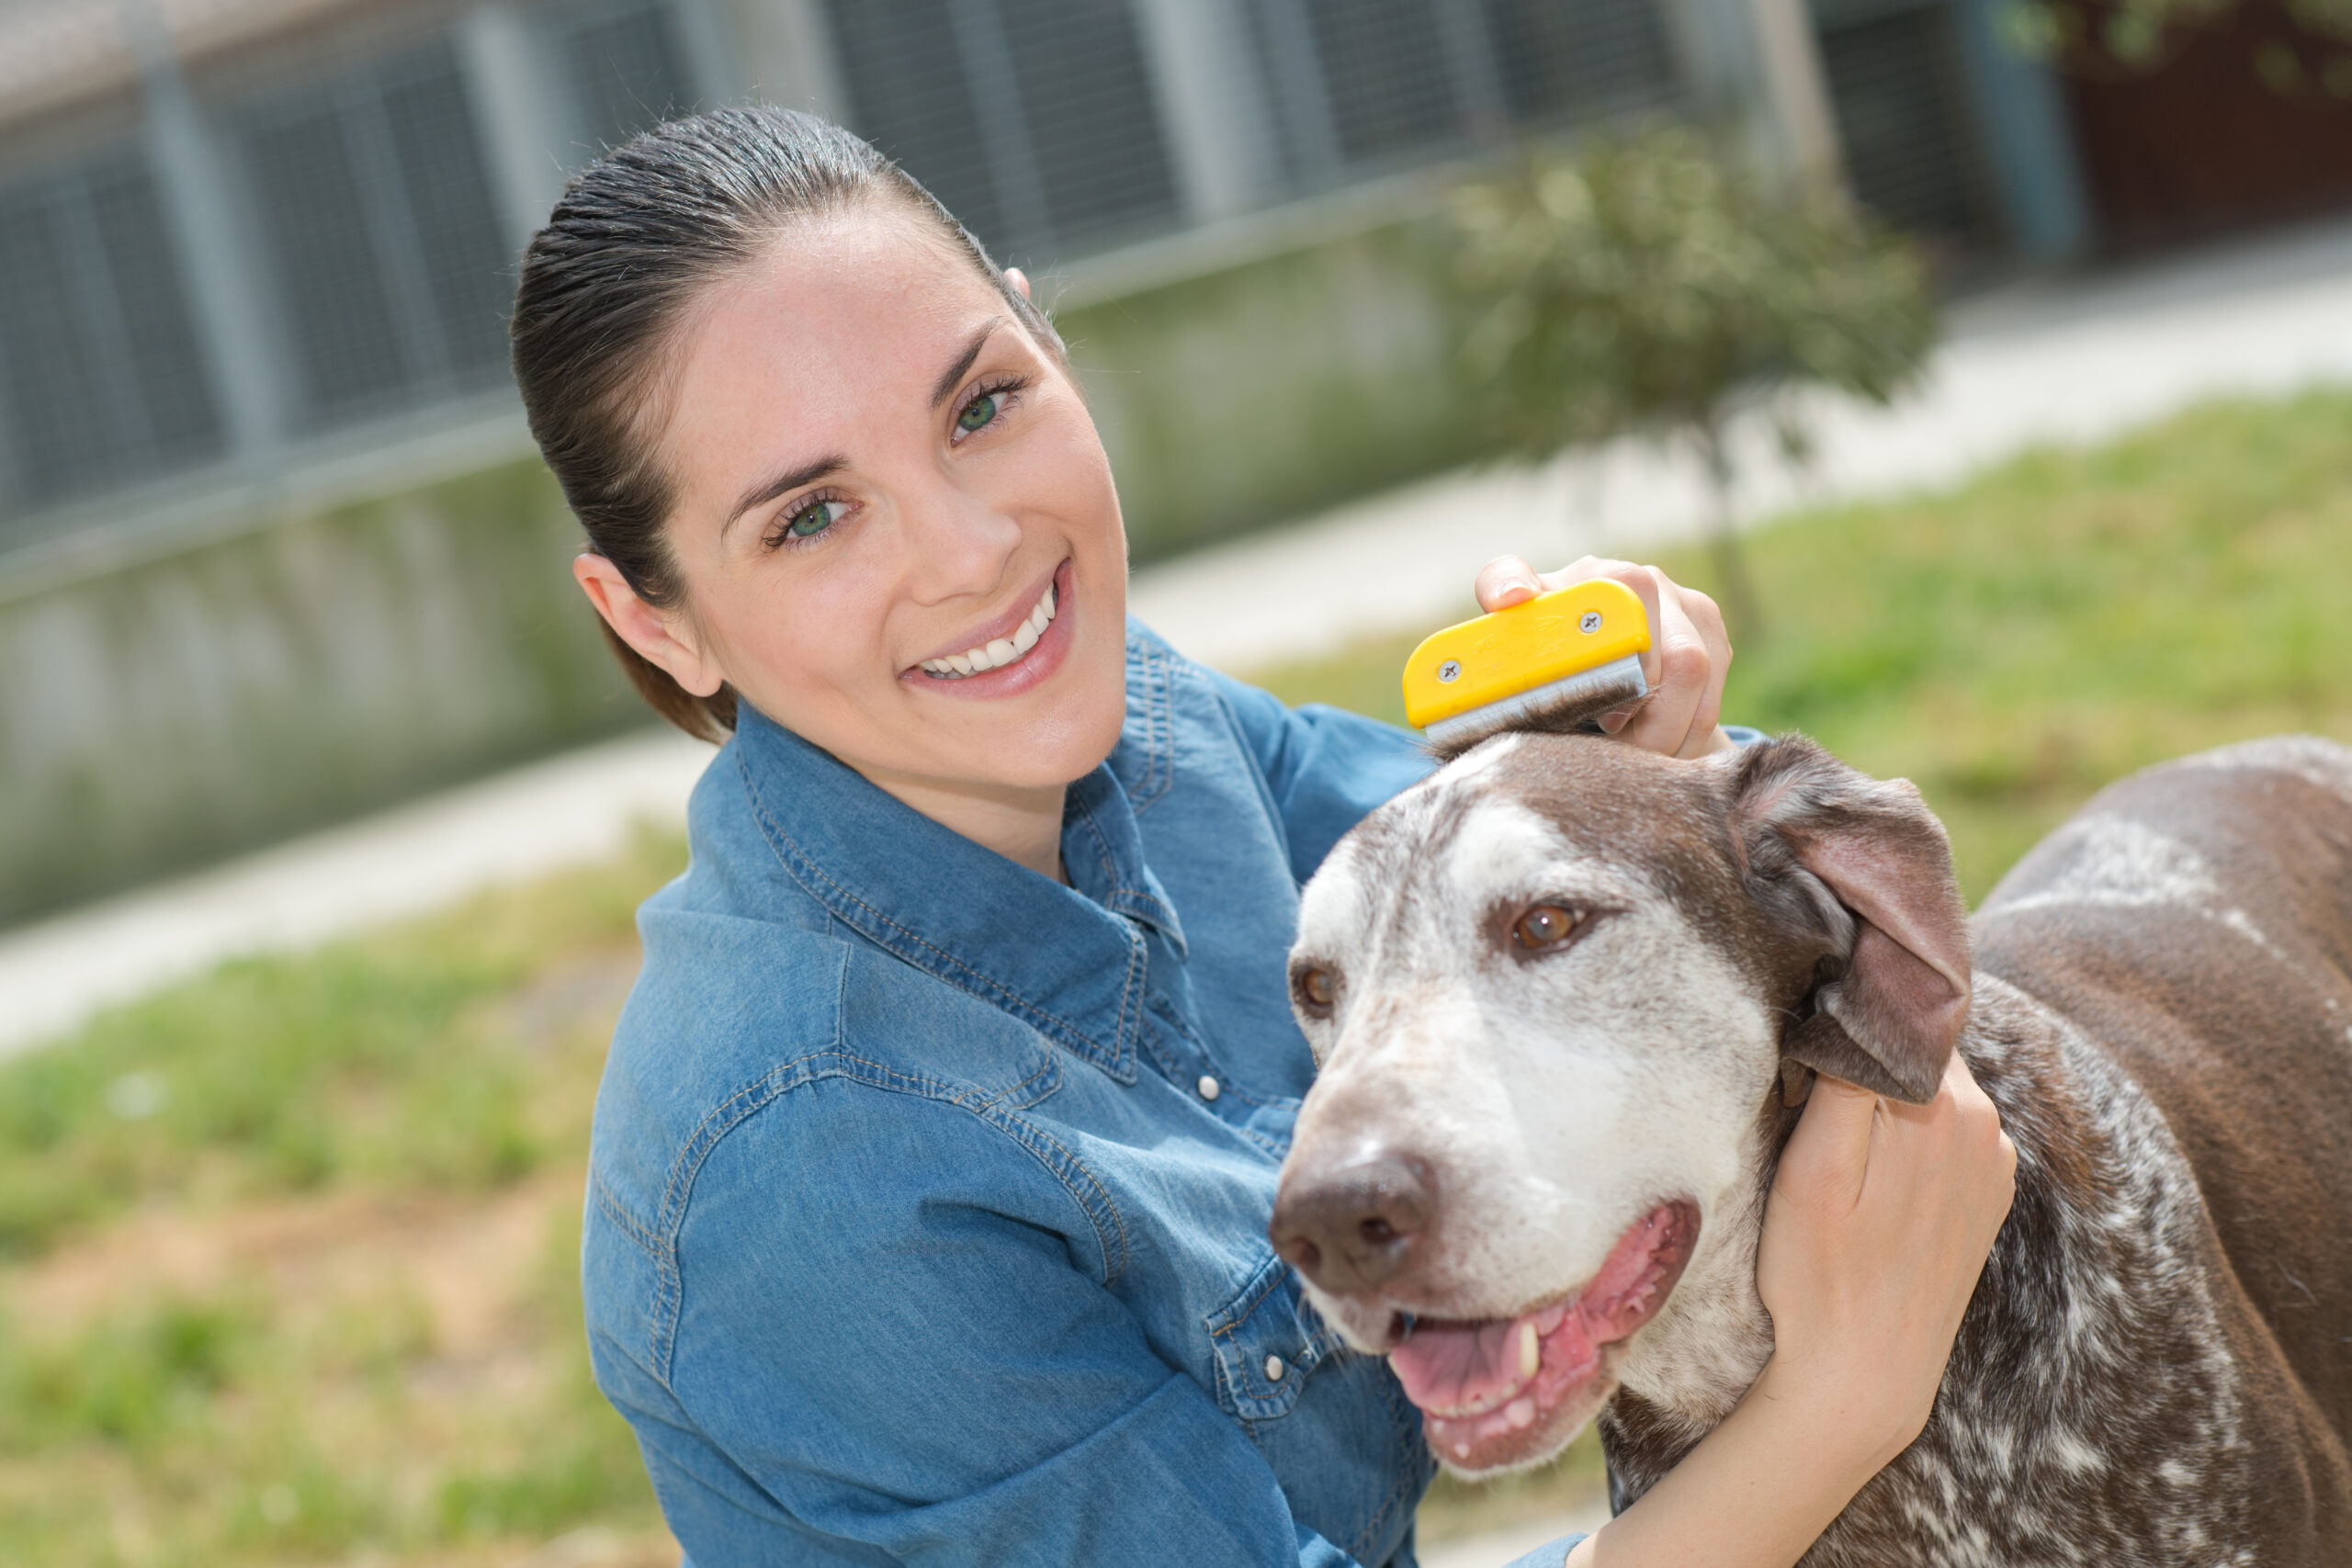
[[1349, 1227]]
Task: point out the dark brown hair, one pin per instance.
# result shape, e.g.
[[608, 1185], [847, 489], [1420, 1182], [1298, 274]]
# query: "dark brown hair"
[[637, 236]]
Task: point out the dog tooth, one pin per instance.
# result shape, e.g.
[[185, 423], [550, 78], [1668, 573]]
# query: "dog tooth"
[[981, 660], [959, 663], [1531, 1355], [1521, 1412], [1024, 638], [1000, 651], [1549, 1318]]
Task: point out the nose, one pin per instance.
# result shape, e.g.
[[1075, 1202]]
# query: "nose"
[[960, 543], [1349, 1226]]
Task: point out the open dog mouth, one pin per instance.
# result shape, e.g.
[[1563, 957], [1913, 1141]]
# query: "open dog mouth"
[[1496, 1392]]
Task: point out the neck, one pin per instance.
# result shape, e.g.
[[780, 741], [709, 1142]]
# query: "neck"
[[1024, 825]]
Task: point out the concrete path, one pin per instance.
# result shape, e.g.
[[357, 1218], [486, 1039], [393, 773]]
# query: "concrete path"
[[2049, 361], [521, 825]]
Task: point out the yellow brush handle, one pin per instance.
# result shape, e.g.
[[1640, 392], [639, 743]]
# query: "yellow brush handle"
[[1550, 637]]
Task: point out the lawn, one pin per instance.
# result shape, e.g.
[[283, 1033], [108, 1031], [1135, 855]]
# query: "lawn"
[[2070, 616], [288, 1253]]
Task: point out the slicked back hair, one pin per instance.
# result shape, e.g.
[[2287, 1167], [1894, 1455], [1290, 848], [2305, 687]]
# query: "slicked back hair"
[[634, 240]]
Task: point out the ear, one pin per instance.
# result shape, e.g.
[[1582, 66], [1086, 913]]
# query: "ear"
[[1864, 863], [662, 638]]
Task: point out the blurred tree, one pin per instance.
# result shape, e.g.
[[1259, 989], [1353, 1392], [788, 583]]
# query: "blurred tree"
[[2308, 56], [1652, 284]]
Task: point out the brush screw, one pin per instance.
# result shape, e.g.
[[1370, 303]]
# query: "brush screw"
[[1450, 670], [1590, 624]]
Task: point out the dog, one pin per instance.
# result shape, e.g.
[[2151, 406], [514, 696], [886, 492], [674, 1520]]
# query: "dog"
[[1564, 995]]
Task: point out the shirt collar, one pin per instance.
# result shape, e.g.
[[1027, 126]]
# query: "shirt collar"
[[1069, 961]]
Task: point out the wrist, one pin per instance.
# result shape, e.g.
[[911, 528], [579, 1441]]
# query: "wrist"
[[1851, 1422]]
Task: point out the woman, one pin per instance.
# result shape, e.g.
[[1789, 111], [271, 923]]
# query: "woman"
[[934, 1158]]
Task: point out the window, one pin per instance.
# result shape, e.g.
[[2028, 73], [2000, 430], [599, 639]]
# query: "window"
[[1034, 122], [1573, 59], [622, 63], [1902, 117], [101, 377], [1385, 76], [377, 220]]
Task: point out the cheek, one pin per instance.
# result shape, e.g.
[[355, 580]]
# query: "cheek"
[[808, 632]]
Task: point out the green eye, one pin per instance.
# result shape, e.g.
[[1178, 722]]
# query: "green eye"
[[814, 518], [978, 412]]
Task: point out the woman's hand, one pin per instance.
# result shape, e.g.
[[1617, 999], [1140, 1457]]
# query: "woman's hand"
[[1878, 1225], [1687, 659]]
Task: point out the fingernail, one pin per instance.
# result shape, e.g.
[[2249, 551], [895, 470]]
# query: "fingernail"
[[1611, 723]]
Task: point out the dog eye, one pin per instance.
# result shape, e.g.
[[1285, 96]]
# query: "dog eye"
[[1316, 988], [1546, 925]]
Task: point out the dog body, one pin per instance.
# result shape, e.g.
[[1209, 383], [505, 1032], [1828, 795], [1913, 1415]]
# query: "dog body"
[[1535, 1165]]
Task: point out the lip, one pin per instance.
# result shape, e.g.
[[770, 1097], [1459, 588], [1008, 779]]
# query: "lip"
[[1042, 661], [1580, 1336]]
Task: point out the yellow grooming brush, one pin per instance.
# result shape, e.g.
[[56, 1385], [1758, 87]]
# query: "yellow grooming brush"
[[1566, 649]]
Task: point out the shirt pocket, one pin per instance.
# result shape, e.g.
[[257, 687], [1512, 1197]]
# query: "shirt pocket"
[[1267, 1340]]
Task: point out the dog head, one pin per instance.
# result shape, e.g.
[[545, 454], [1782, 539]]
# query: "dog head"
[[1554, 992]]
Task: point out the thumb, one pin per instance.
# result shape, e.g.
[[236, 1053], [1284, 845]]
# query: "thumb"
[[1506, 581], [1829, 1153]]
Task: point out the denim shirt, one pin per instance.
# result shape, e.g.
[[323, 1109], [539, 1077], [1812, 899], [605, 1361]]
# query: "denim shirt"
[[928, 1196]]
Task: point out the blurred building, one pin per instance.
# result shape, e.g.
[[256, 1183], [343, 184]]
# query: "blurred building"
[[272, 543], [240, 236]]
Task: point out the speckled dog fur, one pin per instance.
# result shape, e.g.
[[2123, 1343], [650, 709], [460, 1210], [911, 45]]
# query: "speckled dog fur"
[[2157, 1366]]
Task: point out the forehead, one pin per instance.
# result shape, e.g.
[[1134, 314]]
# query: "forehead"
[[834, 311], [1531, 815]]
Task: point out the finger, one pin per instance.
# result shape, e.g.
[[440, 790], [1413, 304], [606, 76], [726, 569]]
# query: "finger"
[[1584, 569], [1663, 724], [1828, 1155], [1707, 617], [1504, 581]]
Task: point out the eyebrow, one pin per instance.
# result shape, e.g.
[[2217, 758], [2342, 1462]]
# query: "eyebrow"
[[768, 489], [809, 473], [953, 375]]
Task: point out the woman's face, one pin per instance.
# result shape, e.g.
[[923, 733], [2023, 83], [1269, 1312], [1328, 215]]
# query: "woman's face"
[[895, 526]]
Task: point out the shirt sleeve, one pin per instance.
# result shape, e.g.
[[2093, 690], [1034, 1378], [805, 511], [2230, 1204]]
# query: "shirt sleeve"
[[879, 1371], [1551, 1554], [1326, 768]]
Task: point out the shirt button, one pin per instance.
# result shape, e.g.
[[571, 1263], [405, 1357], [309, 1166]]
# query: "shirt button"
[[1208, 1088], [1274, 1369]]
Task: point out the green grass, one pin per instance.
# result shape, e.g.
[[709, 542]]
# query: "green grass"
[[2016, 644], [384, 1061], [362, 1170], [288, 1254]]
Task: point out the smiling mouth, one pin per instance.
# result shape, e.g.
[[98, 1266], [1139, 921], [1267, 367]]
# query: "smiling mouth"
[[1000, 652], [1496, 1392]]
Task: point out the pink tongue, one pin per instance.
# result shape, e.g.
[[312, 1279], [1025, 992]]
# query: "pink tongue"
[[1446, 1364]]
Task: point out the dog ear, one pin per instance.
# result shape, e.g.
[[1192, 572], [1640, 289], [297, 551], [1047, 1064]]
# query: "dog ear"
[[1863, 862]]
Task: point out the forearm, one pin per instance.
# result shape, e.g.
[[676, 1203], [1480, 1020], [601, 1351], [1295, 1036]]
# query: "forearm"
[[1757, 1492]]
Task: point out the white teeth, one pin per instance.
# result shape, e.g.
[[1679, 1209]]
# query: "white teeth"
[[1521, 1412], [1531, 1355], [1000, 651]]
